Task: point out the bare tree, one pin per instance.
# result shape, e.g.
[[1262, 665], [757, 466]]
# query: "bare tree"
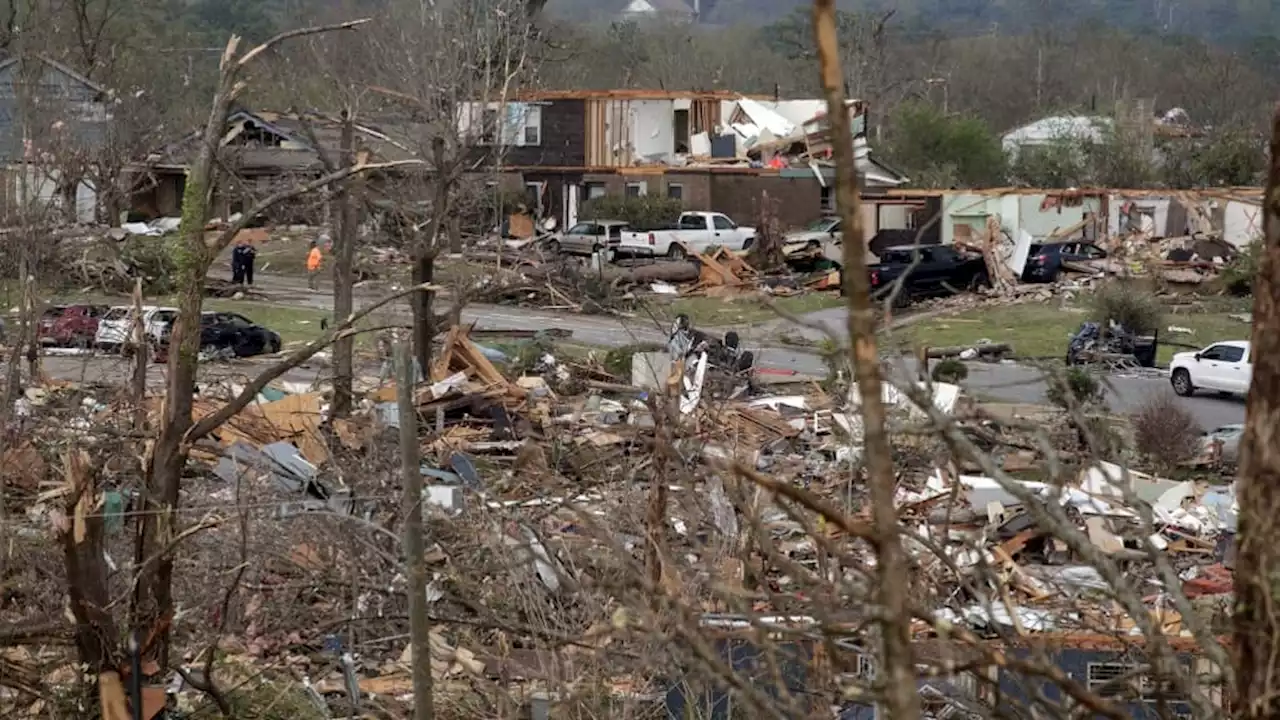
[[153, 602], [452, 67]]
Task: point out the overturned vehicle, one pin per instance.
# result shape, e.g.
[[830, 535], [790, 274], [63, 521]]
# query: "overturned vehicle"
[[1114, 346]]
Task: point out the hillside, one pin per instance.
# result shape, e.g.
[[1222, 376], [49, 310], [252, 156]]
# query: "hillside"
[[1234, 22]]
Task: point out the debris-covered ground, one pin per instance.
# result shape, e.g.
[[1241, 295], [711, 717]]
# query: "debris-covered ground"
[[583, 511]]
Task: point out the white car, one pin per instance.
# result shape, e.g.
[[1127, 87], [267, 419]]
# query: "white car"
[[115, 329], [694, 232], [821, 234], [1226, 367]]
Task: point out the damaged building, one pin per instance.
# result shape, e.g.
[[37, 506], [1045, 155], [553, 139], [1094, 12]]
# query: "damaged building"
[[714, 151]]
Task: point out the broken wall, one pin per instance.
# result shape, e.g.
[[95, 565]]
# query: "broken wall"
[[1128, 212], [1241, 222], [652, 130]]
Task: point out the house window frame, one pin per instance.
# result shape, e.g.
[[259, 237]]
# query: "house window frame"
[[679, 188], [641, 189], [827, 199]]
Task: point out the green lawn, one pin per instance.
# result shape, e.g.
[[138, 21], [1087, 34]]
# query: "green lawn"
[[1041, 330], [295, 325], [714, 311]]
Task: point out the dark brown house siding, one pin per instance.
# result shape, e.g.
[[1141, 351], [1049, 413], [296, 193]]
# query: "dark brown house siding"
[[563, 142], [797, 201]]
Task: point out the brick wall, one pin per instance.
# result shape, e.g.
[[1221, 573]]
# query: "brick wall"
[[797, 201]]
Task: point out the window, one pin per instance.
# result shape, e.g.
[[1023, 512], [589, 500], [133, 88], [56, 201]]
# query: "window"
[[580, 229], [636, 189], [1223, 353], [1111, 679], [532, 124], [591, 191], [828, 199], [675, 191], [1092, 252], [1232, 354], [488, 124], [721, 222], [692, 222], [866, 667]]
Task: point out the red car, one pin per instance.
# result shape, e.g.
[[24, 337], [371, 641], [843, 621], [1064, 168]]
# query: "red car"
[[70, 325]]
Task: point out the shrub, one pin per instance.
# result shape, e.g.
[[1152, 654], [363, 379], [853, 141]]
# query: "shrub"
[[1076, 387], [1237, 277], [1139, 311], [1164, 431], [950, 370], [645, 212]]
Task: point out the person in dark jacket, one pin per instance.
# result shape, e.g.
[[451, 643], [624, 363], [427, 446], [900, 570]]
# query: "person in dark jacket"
[[237, 265], [250, 256]]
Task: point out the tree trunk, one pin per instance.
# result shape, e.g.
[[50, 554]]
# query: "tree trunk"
[[1257, 572], [86, 572], [153, 599], [424, 321], [901, 696], [424, 326], [344, 237], [414, 544]]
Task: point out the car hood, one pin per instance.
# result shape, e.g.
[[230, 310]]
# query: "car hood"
[[1184, 357]]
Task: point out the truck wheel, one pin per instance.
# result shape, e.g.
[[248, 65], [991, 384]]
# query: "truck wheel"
[[1181, 382], [675, 252]]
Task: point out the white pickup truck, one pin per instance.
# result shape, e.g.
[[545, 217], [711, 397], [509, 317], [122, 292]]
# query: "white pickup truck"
[[694, 232], [1226, 367]]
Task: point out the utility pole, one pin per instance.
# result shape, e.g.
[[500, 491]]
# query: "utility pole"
[[414, 545]]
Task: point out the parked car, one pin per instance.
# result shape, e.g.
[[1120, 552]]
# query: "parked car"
[[925, 270], [694, 232], [236, 333], [1227, 438], [822, 235], [586, 238], [115, 328], [1226, 367], [1044, 262], [70, 325]]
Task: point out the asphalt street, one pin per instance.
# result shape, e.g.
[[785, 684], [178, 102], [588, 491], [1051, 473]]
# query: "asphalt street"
[[1004, 382]]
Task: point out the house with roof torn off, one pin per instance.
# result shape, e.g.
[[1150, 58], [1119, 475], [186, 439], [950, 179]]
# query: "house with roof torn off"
[[711, 150]]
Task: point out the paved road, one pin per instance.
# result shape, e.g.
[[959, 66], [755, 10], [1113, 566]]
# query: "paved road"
[[1005, 382]]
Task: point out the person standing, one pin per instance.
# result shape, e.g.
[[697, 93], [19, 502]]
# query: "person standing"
[[250, 255], [237, 265], [313, 266]]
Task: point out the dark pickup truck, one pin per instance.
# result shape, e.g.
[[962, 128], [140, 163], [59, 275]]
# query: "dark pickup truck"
[[929, 270]]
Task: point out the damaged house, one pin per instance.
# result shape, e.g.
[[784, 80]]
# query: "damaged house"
[[715, 151], [266, 151], [47, 111]]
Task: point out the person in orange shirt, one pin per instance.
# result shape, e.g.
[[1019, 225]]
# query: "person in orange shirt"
[[313, 267]]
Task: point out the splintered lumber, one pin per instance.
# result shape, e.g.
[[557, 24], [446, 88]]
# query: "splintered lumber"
[[460, 355], [998, 273]]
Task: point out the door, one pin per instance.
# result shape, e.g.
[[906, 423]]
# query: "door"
[[577, 238], [694, 233], [724, 232], [1210, 371], [1235, 369]]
